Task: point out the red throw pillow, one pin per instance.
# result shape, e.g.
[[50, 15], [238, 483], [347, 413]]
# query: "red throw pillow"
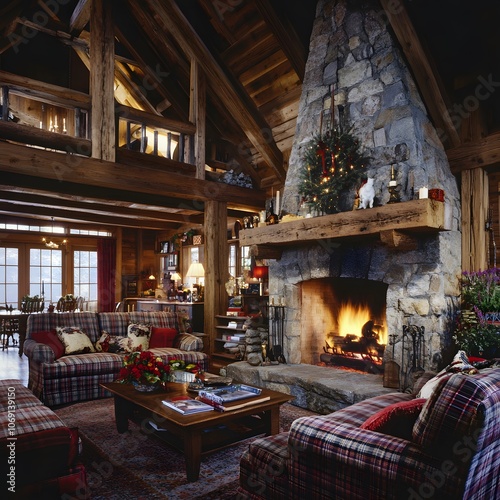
[[397, 419], [52, 340], [162, 337]]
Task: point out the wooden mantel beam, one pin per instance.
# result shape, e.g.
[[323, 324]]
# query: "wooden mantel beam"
[[410, 216]]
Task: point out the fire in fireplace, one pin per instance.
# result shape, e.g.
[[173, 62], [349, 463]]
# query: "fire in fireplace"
[[363, 352], [344, 319]]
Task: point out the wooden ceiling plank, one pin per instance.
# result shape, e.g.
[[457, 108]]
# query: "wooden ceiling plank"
[[236, 100], [422, 69], [287, 37]]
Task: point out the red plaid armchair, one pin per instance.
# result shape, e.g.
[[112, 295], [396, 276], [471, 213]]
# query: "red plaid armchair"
[[445, 447]]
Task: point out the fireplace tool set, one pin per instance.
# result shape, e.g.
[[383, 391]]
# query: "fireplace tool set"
[[411, 354], [274, 352]]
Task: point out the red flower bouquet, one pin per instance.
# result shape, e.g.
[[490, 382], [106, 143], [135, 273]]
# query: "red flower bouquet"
[[143, 367]]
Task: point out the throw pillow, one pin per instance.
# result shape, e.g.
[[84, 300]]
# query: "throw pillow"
[[397, 419], [51, 339], [459, 364], [138, 337], [74, 340], [162, 337], [111, 343]]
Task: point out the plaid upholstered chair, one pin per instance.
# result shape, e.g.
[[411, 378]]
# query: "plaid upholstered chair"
[[394, 446]]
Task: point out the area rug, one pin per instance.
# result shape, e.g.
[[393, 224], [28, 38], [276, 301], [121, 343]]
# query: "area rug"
[[135, 465]]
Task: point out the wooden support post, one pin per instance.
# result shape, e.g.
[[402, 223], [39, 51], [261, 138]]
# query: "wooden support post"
[[197, 115], [102, 70], [475, 205], [216, 266]]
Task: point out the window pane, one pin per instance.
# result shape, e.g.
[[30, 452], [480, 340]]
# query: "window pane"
[[46, 273], [9, 276], [85, 274]]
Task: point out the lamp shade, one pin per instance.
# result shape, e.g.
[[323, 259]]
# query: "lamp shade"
[[260, 272], [196, 270]]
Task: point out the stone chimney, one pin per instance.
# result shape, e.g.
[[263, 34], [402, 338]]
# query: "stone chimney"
[[353, 53]]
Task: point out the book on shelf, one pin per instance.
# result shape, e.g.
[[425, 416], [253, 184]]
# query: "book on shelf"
[[235, 406], [187, 405], [230, 393], [234, 338]]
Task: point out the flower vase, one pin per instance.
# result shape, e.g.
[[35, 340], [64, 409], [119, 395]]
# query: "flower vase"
[[140, 387]]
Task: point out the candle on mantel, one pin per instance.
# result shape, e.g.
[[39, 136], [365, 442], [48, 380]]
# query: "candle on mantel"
[[423, 192], [277, 208], [392, 182]]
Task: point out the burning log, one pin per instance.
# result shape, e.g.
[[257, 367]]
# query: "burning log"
[[361, 352]]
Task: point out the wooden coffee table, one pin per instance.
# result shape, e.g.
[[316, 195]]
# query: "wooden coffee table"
[[199, 433]]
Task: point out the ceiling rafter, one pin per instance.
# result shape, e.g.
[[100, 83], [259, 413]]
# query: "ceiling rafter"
[[238, 103]]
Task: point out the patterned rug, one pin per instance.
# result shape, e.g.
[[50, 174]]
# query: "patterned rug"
[[135, 465]]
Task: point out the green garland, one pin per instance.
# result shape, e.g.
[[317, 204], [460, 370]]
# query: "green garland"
[[323, 183]]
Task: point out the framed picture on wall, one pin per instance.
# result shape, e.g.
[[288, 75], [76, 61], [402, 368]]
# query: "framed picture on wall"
[[164, 246]]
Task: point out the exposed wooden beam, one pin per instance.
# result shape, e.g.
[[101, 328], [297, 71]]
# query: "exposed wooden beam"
[[80, 17], [103, 174], [92, 206], [197, 115], [102, 60], [53, 94], [155, 120], [182, 211], [239, 104], [78, 215], [43, 138], [422, 69], [481, 153]]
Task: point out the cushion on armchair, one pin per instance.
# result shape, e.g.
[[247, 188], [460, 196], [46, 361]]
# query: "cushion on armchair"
[[51, 339], [162, 337], [138, 336], [397, 419], [75, 341]]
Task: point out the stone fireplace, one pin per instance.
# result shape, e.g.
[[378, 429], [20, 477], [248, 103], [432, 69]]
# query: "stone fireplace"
[[353, 54]]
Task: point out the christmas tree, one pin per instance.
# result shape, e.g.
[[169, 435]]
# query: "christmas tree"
[[332, 165]]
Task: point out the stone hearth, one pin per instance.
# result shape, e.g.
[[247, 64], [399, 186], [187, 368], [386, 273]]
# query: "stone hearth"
[[319, 389], [353, 53]]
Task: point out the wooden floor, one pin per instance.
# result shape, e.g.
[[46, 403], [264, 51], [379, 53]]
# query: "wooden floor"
[[13, 366]]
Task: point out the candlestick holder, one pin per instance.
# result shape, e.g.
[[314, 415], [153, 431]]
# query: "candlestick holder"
[[393, 188]]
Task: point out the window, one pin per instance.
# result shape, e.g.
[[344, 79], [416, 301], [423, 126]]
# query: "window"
[[45, 275], [233, 260], [85, 276], [9, 272]]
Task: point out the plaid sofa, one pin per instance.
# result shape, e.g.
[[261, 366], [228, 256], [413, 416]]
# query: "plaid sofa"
[[78, 377], [452, 452], [39, 454]]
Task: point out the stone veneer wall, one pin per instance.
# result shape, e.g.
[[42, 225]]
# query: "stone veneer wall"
[[352, 49]]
